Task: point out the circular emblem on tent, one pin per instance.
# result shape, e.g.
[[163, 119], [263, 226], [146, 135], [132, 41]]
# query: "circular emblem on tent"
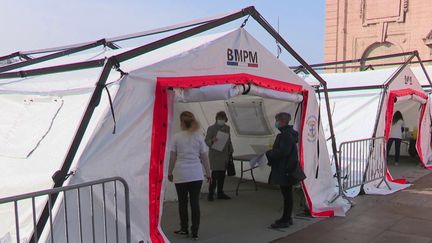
[[312, 128]]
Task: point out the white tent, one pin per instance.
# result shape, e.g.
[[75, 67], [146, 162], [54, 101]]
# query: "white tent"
[[355, 99], [207, 74]]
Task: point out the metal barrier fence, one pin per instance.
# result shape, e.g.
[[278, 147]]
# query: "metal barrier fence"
[[362, 161], [78, 218]]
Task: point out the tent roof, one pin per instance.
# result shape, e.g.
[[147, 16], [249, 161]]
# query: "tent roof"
[[354, 79], [178, 55], [83, 80], [365, 78]]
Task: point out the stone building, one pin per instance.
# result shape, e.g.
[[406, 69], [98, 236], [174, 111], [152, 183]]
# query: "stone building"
[[363, 28]]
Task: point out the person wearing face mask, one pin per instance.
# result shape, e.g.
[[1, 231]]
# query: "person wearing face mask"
[[283, 159], [218, 159]]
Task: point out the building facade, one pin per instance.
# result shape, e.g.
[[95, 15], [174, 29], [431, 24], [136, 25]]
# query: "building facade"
[[364, 28]]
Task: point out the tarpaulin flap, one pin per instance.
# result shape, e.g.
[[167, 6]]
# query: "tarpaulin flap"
[[273, 94], [227, 91], [208, 93], [412, 97]]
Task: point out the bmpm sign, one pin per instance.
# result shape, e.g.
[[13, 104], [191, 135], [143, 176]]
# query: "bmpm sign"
[[242, 58]]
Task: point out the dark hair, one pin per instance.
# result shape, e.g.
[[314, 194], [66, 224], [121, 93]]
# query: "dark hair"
[[188, 121], [396, 117], [221, 115], [286, 117]]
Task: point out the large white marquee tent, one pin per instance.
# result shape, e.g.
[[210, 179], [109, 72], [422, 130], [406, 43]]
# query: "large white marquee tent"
[[195, 74]]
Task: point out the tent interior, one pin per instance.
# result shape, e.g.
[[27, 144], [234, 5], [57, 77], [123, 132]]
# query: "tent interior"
[[251, 119], [410, 110]]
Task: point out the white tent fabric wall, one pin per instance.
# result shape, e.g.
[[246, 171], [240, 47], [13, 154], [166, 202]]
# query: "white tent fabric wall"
[[33, 171], [128, 152], [354, 112]]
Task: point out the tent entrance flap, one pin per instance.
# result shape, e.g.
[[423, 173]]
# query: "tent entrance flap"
[[228, 91]]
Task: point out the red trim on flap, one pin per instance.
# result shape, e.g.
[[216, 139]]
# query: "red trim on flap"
[[160, 124], [419, 134], [329, 213], [240, 78], [157, 157], [389, 117]]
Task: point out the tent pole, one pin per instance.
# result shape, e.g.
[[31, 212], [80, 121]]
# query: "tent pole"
[[52, 56], [279, 39], [54, 69], [408, 61], [15, 54], [423, 68], [360, 59], [94, 102], [183, 35]]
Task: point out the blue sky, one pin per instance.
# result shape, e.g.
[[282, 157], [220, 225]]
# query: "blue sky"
[[32, 24]]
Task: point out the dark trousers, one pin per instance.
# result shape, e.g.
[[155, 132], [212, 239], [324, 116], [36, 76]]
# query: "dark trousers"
[[218, 179], [288, 201], [191, 191], [397, 147]]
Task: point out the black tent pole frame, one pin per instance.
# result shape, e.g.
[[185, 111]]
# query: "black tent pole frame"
[[370, 66], [114, 60], [52, 56], [357, 60], [15, 54], [109, 42], [293, 53]]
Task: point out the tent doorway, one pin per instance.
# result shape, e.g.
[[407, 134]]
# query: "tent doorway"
[[251, 119], [250, 108], [412, 106]]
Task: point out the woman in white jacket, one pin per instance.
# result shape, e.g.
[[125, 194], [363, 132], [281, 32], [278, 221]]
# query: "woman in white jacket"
[[396, 132], [189, 155]]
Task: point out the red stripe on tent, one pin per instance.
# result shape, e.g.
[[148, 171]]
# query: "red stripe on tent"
[[389, 117], [157, 157], [240, 78], [419, 133], [329, 213]]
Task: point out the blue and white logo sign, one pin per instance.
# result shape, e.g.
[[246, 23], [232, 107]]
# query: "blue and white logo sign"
[[312, 128]]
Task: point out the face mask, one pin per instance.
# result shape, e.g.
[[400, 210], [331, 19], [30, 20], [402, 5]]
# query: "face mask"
[[277, 125], [221, 122]]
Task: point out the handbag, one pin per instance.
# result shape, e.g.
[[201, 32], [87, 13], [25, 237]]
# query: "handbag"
[[297, 175], [231, 168]]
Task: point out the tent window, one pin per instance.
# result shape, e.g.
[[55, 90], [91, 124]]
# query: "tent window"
[[248, 117], [28, 121]]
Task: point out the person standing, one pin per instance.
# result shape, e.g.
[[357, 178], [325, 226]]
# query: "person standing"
[[218, 159], [396, 135], [283, 159], [188, 157]]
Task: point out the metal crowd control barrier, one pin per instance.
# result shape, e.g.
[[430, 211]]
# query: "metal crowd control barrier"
[[360, 162], [104, 191]]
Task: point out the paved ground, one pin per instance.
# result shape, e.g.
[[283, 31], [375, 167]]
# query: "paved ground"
[[402, 217], [405, 216], [244, 218]]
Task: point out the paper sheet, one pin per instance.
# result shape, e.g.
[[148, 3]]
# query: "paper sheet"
[[222, 139], [259, 161]]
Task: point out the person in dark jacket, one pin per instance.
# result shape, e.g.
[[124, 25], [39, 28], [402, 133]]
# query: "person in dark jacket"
[[283, 159], [218, 159]]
